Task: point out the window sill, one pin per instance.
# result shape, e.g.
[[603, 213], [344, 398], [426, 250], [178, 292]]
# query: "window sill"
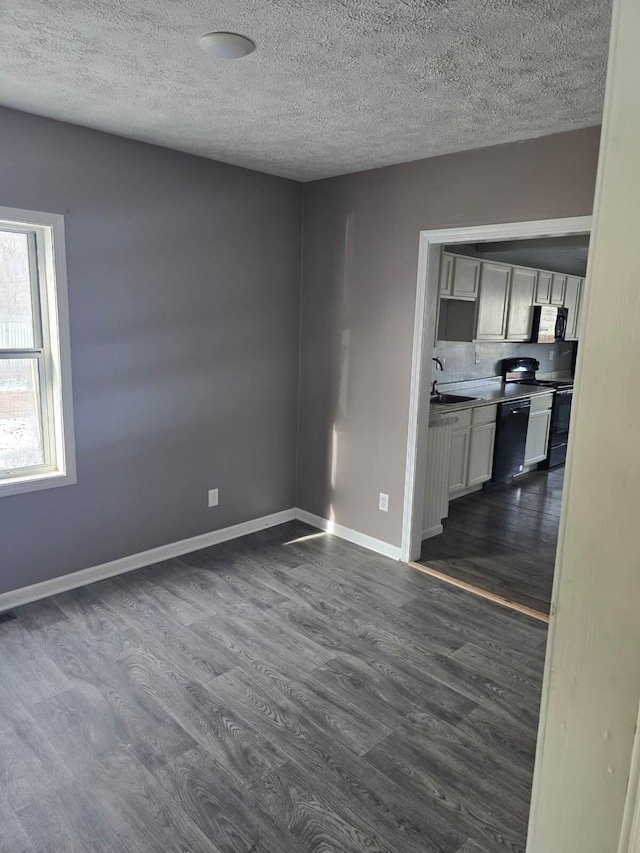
[[35, 482]]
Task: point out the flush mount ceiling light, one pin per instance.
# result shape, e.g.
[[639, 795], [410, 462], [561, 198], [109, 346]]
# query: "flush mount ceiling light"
[[227, 45]]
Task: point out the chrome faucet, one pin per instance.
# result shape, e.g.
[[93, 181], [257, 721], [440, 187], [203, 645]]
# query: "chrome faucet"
[[439, 366]]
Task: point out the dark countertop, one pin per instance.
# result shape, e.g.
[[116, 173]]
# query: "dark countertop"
[[486, 395]]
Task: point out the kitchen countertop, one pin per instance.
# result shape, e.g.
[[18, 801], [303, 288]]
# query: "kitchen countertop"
[[485, 395]]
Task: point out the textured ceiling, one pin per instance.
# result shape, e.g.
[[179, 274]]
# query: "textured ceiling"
[[334, 86]]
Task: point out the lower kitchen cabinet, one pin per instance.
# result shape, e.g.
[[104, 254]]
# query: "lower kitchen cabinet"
[[537, 437], [481, 444], [459, 459], [472, 443], [538, 430]]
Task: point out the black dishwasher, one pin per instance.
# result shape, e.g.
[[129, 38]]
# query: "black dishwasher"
[[511, 437]]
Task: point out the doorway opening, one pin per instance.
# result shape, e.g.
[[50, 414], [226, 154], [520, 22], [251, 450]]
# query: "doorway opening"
[[497, 327]]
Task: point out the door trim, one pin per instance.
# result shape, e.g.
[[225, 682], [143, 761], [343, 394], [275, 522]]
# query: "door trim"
[[423, 334]]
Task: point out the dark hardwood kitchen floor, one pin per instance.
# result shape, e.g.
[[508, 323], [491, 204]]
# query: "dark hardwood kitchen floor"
[[503, 539], [284, 692]]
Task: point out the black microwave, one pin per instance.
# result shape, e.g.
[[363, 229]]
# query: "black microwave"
[[549, 324]]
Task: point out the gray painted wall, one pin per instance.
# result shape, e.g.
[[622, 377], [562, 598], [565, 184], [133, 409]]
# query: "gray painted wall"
[[184, 279], [360, 253]]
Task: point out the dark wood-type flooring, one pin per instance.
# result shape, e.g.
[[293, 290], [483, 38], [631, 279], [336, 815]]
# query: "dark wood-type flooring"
[[286, 692], [503, 539]]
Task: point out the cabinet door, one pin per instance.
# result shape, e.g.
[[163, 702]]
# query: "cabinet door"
[[458, 460], [521, 293], [466, 274], [492, 302], [572, 296], [543, 288], [557, 289], [446, 266], [481, 445], [537, 437]]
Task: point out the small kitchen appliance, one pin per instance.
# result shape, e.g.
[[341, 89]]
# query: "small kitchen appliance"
[[549, 324]]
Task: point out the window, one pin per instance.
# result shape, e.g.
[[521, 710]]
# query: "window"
[[36, 430]]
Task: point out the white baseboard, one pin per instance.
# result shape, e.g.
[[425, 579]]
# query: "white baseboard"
[[354, 536], [432, 531], [16, 597]]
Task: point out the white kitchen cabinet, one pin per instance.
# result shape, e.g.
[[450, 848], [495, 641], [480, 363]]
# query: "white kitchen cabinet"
[[537, 437], [472, 443], [465, 278], [543, 288], [572, 302], [491, 317], [537, 442], [459, 459], [446, 270], [521, 295], [558, 283], [481, 444]]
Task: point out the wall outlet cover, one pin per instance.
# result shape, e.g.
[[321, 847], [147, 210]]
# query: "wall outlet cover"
[[383, 503], [213, 497]]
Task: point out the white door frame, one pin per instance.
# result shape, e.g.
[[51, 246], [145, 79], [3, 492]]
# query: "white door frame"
[[423, 337]]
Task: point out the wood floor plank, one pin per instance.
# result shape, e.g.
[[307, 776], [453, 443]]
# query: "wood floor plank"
[[446, 792], [140, 811], [39, 614], [176, 643], [27, 673], [49, 827], [503, 539], [391, 698], [286, 691], [234, 744], [327, 708], [390, 809], [12, 835], [223, 809], [153, 735], [313, 814]]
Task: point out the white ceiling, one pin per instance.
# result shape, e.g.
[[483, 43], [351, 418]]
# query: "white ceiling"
[[334, 86]]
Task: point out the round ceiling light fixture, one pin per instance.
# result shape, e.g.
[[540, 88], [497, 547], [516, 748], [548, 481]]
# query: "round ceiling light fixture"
[[227, 45]]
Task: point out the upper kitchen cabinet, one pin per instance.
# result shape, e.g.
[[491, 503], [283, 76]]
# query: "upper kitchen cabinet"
[[558, 283], [521, 295], [446, 270], [459, 277], [491, 317], [543, 288], [572, 302], [492, 301]]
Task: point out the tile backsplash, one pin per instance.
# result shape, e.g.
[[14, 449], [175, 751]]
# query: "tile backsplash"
[[459, 358]]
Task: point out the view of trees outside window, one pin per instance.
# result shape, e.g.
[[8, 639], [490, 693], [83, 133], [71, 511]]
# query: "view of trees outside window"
[[21, 443]]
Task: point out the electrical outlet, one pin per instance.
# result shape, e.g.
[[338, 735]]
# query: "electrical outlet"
[[552, 354], [213, 497], [477, 356], [383, 503]]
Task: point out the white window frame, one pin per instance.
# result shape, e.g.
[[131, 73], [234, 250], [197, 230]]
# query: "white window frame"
[[47, 247]]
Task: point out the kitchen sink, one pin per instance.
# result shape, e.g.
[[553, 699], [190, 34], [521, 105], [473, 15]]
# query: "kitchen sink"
[[448, 399]]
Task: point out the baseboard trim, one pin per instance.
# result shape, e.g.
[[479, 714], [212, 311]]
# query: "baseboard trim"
[[432, 531], [17, 597], [350, 535]]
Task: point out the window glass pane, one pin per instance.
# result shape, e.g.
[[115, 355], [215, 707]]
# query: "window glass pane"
[[21, 443], [16, 311]]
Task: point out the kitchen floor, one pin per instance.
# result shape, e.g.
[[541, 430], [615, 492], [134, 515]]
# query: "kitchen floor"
[[503, 539], [285, 692]]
